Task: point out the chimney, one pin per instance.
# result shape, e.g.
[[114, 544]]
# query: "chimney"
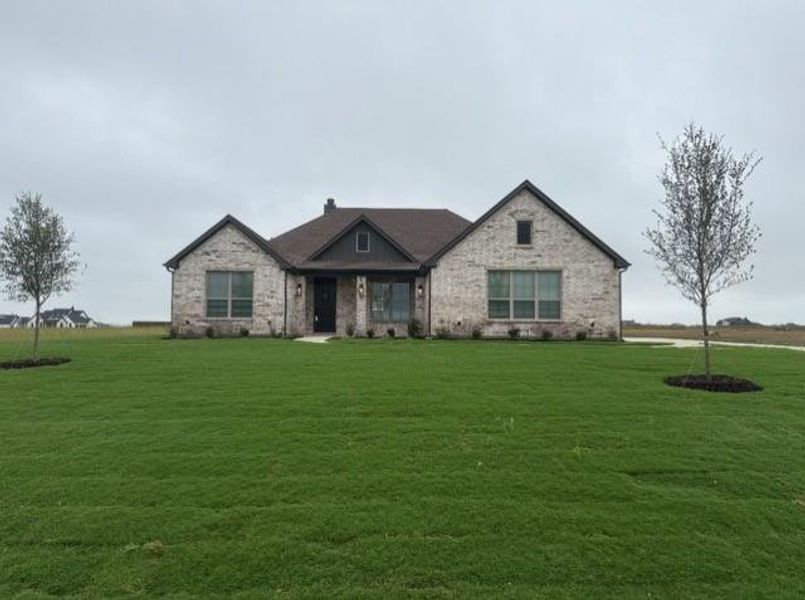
[[330, 206]]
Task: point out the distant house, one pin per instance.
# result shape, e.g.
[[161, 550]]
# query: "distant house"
[[8, 321], [734, 322], [63, 318]]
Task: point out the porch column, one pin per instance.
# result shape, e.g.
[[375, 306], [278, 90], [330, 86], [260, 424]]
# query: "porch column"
[[361, 290]]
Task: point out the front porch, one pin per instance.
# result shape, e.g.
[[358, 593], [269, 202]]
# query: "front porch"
[[354, 303]]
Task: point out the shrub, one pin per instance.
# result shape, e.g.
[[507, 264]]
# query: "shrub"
[[173, 331], [547, 334], [514, 333], [350, 329], [477, 332], [390, 332], [414, 328], [581, 336], [442, 333], [244, 332], [370, 332], [210, 331]]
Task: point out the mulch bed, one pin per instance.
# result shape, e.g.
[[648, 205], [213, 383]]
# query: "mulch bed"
[[28, 363], [716, 383]]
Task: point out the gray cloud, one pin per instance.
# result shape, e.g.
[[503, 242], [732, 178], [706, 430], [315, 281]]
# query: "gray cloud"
[[145, 123]]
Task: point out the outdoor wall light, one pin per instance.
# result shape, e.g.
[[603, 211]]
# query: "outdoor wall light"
[[361, 290], [298, 290], [420, 290]]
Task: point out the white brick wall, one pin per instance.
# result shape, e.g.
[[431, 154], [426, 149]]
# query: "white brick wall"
[[228, 250], [590, 281]]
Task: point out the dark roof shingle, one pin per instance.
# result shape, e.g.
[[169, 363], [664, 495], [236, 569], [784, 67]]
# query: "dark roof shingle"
[[420, 232]]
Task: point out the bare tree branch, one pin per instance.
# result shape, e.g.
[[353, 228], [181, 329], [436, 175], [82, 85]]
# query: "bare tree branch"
[[704, 233]]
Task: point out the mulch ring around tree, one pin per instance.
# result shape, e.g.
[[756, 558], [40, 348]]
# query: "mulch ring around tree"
[[28, 363], [716, 383]]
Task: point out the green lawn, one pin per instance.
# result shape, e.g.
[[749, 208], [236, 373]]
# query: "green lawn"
[[395, 469]]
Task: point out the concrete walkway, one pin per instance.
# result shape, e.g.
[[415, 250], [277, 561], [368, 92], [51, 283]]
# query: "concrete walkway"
[[314, 339], [681, 343]]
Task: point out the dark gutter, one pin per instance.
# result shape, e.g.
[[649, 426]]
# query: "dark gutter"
[[356, 271]]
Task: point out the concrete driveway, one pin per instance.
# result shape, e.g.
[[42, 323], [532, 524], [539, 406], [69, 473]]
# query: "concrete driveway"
[[682, 343]]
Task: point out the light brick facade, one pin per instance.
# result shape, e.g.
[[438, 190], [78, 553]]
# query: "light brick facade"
[[228, 250], [590, 283], [450, 295]]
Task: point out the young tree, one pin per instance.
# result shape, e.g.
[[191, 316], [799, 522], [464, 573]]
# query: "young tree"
[[704, 232], [37, 259]]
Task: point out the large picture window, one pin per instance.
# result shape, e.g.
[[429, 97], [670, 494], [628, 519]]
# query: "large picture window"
[[524, 295], [229, 294], [391, 301]]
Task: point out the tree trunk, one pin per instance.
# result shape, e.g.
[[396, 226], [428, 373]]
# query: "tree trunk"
[[706, 340], [36, 332]]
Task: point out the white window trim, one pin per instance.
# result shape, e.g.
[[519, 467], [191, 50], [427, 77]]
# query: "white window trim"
[[536, 319], [358, 234]]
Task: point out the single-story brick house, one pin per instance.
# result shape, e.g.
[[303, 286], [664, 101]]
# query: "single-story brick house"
[[525, 263]]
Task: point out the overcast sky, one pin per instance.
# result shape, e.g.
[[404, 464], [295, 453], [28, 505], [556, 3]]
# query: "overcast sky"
[[144, 123]]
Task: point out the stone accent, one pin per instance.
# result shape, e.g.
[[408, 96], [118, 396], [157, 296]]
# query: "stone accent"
[[297, 292], [228, 250], [590, 281], [345, 302], [361, 305]]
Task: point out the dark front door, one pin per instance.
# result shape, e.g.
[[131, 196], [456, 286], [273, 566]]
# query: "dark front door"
[[324, 305]]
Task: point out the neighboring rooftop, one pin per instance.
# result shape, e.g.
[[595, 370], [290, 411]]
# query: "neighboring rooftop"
[[79, 317]]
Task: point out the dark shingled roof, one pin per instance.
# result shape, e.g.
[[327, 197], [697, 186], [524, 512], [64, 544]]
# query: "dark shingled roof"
[[54, 314], [419, 232]]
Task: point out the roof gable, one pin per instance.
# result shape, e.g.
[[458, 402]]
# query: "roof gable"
[[362, 223], [618, 260], [261, 242], [416, 233]]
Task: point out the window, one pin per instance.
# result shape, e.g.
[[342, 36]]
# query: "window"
[[229, 294], [391, 301], [524, 294], [524, 233], [499, 294], [362, 241], [548, 284]]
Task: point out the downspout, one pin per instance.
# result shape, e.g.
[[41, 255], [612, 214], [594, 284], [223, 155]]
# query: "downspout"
[[430, 304], [285, 310], [620, 304], [173, 287]]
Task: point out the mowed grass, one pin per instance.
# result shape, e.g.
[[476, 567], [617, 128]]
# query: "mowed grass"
[[396, 469]]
